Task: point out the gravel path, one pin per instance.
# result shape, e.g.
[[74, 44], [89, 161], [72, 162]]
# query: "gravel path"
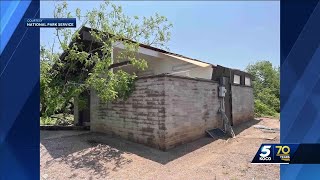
[[83, 155]]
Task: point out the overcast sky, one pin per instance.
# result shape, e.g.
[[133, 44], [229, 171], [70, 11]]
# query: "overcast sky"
[[229, 33]]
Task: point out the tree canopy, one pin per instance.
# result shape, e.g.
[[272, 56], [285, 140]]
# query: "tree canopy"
[[88, 65], [266, 88]]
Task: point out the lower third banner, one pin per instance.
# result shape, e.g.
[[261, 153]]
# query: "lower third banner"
[[288, 154]]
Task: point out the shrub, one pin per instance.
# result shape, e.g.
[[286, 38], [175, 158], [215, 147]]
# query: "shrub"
[[266, 88], [261, 109]]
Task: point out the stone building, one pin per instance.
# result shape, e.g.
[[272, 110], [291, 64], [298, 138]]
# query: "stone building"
[[175, 100]]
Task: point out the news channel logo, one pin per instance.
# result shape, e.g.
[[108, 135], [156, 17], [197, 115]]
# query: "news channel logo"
[[283, 152], [273, 153]]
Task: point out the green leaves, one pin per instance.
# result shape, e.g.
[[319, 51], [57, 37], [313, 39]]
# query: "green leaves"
[[87, 64], [78, 13], [266, 87]]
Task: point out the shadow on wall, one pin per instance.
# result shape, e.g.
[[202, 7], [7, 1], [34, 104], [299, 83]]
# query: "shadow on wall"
[[95, 150]]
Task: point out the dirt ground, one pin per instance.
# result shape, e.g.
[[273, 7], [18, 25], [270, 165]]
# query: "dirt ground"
[[84, 155]]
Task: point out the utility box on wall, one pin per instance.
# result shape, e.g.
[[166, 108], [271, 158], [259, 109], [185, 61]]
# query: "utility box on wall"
[[222, 91]]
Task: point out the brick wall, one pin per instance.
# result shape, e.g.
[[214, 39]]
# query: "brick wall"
[[140, 118], [162, 112], [191, 108], [242, 104]]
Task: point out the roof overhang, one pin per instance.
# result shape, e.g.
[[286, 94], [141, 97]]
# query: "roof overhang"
[[152, 51], [198, 63]]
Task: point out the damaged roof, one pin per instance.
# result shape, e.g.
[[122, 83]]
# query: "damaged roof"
[[175, 55], [171, 54]]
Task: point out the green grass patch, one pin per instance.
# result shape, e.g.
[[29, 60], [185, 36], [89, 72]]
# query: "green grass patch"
[[58, 120]]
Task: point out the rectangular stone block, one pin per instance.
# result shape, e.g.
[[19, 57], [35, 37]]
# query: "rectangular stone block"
[[162, 112]]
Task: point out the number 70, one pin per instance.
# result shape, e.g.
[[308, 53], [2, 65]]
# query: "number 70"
[[283, 150]]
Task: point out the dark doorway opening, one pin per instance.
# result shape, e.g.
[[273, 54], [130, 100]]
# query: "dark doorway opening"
[[84, 113]]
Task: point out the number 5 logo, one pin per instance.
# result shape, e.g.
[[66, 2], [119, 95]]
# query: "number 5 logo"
[[265, 151]]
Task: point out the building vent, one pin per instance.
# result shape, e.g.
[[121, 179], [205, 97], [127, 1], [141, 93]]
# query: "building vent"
[[247, 81], [236, 79]]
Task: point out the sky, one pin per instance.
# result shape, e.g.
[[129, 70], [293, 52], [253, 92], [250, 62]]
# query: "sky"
[[228, 33]]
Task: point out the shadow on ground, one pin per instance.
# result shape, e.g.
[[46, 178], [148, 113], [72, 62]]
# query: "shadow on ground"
[[87, 150], [243, 126], [82, 151]]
